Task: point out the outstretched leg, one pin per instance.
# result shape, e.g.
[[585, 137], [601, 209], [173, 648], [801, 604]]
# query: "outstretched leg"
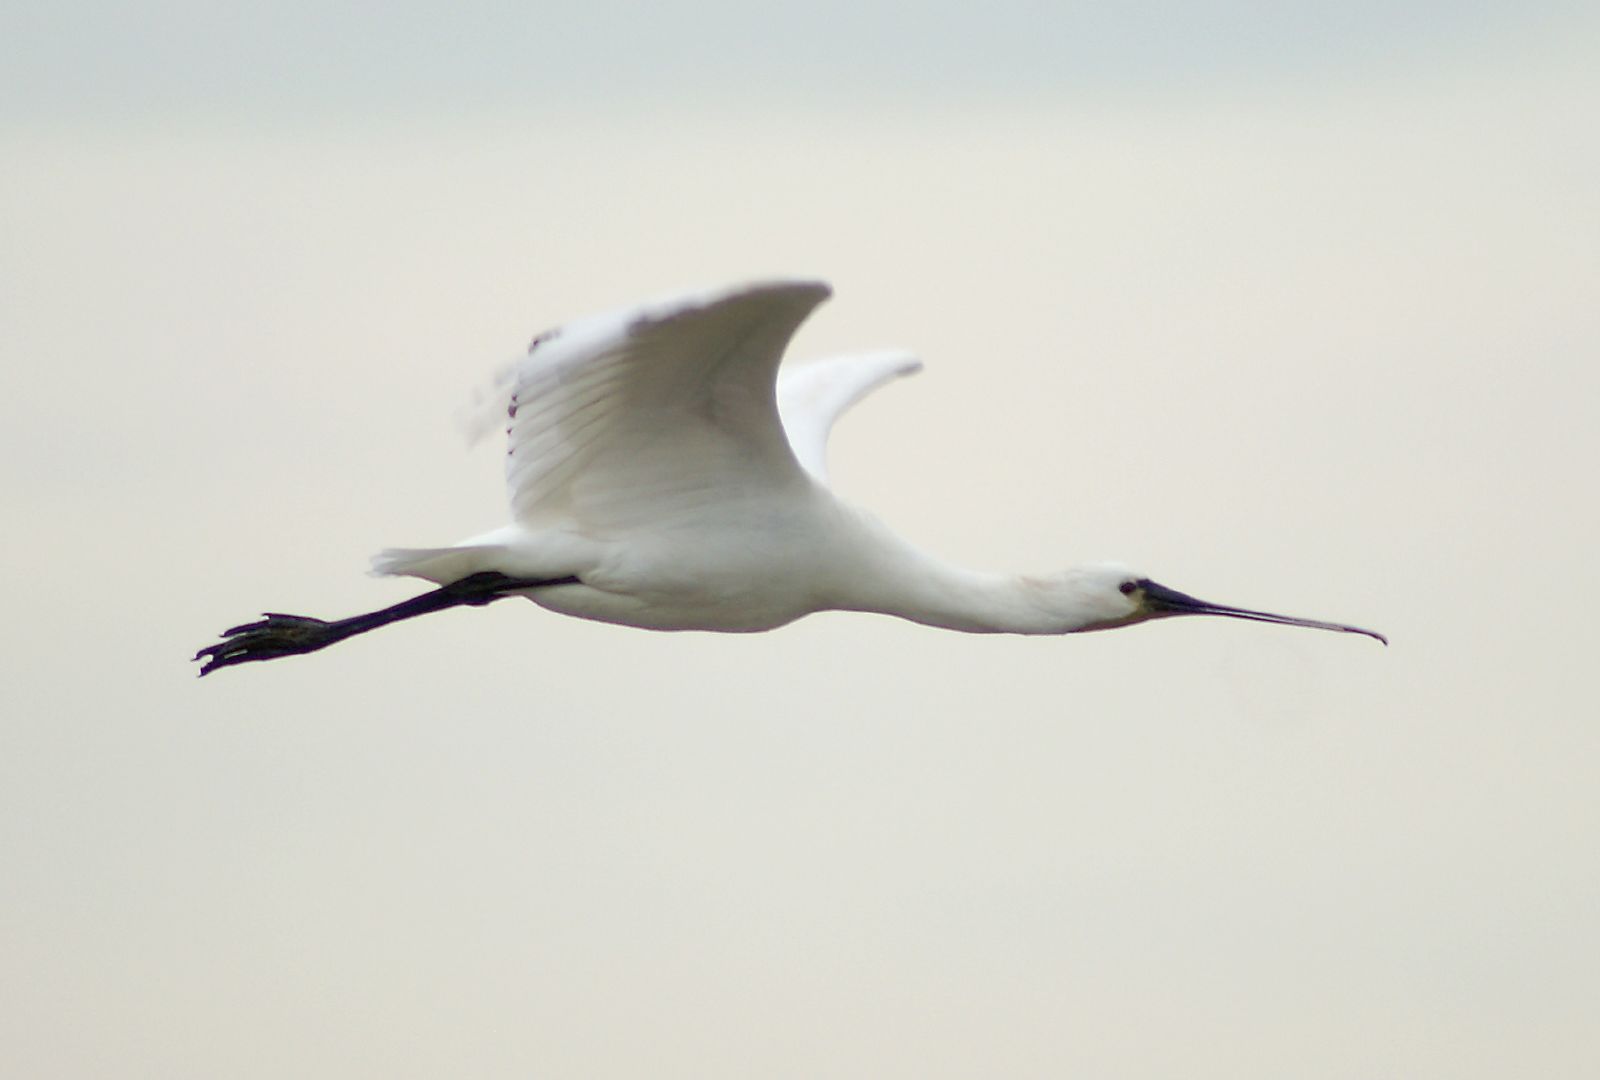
[[289, 635]]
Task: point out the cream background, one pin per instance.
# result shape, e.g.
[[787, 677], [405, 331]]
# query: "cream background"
[[1288, 314]]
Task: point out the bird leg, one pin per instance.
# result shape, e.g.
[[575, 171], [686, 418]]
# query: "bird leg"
[[289, 635]]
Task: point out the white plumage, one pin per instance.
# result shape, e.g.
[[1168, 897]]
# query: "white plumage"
[[662, 474]]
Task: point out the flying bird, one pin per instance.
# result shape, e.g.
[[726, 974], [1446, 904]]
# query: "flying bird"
[[664, 474]]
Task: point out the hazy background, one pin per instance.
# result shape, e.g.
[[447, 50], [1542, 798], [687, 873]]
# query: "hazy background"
[[1288, 306]]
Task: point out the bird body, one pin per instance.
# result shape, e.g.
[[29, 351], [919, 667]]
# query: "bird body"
[[662, 474], [649, 456]]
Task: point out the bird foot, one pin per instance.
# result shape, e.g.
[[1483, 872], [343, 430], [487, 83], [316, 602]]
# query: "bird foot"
[[274, 636], [288, 635]]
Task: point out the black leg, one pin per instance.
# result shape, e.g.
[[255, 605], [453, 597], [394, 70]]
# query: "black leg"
[[289, 635]]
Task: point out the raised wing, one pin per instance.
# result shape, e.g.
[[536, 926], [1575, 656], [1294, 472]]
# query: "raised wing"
[[812, 396], [656, 412]]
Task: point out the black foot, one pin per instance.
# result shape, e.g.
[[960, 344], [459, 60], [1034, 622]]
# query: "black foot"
[[276, 635], [289, 635]]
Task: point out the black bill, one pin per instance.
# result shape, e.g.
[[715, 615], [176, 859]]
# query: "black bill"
[[1164, 601]]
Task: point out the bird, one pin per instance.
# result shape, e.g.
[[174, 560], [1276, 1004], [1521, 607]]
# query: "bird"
[[664, 473]]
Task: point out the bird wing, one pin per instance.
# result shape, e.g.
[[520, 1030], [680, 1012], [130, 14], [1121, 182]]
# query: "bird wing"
[[655, 412], [813, 396]]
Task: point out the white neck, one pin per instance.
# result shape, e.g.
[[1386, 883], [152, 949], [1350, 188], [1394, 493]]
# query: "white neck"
[[894, 577]]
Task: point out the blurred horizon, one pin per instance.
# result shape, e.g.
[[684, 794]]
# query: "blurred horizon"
[[260, 67]]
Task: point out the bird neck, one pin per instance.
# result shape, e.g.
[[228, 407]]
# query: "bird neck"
[[894, 577]]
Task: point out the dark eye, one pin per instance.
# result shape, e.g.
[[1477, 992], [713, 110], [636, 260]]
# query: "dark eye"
[[1127, 588]]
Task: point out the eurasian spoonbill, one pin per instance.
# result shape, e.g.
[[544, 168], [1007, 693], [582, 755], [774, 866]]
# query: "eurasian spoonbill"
[[663, 474]]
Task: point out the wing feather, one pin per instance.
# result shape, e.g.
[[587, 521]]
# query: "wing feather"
[[639, 415], [811, 397]]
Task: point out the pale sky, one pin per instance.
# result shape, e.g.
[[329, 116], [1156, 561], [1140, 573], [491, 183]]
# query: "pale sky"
[[1288, 310], [300, 61]]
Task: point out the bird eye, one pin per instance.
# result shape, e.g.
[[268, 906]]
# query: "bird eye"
[[1127, 588]]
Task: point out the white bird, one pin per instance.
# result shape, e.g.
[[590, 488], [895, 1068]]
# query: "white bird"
[[662, 474]]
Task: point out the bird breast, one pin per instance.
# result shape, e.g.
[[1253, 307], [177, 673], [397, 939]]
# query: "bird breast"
[[760, 565]]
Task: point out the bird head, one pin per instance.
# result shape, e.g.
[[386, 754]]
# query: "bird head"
[[1107, 595]]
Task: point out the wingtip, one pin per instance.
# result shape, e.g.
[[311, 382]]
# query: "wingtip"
[[815, 289], [896, 363], [804, 293]]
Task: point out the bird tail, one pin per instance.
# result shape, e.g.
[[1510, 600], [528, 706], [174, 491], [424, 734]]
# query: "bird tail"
[[438, 565]]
